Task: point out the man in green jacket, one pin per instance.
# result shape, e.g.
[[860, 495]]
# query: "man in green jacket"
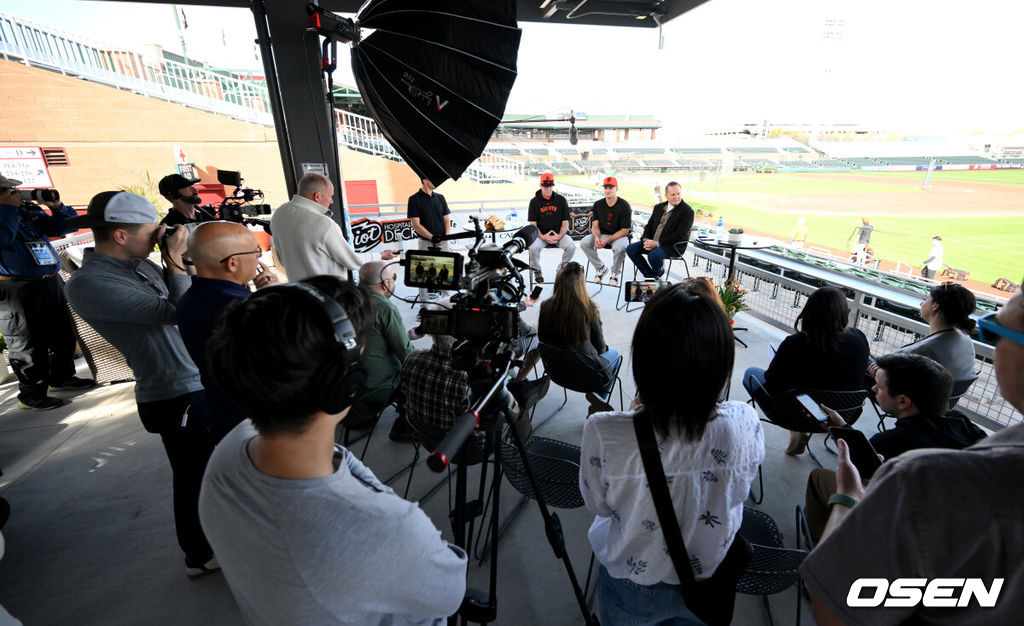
[[387, 345]]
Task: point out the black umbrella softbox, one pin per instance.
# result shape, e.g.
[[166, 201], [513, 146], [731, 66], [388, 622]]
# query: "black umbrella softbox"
[[436, 76]]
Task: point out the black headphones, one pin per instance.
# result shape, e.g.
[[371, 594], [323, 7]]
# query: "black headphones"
[[340, 378]]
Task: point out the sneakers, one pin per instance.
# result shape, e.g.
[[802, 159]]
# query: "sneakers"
[[40, 404], [599, 276], [613, 281], [198, 571], [73, 383], [538, 277]]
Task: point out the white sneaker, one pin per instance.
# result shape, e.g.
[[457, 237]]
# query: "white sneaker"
[[613, 281], [599, 276], [209, 567]]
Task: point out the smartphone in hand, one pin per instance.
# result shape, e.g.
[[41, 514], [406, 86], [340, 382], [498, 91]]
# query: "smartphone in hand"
[[862, 453], [536, 292], [811, 407]]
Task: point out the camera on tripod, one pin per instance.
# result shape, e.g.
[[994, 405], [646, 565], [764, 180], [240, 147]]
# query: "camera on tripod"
[[486, 309], [239, 206]]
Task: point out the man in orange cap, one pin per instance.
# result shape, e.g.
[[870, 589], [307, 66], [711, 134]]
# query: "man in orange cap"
[[549, 212], [611, 222]]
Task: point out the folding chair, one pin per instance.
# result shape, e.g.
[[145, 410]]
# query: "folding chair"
[[575, 371]]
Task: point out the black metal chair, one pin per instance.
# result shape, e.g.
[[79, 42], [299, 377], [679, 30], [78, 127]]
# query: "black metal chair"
[[586, 269], [678, 250], [359, 425], [575, 371], [773, 568], [788, 413], [960, 388]]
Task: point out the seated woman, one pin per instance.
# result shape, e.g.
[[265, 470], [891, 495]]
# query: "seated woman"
[[570, 319], [947, 309], [682, 356], [822, 354]]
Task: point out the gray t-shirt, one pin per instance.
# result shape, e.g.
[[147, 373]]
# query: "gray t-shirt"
[[952, 349], [341, 549]]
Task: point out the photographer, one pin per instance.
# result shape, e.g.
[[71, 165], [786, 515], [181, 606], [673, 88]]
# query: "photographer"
[[184, 198], [34, 319], [227, 259], [305, 532]]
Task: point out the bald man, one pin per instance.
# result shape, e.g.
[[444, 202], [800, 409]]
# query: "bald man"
[[307, 240], [386, 346], [929, 515], [227, 260]]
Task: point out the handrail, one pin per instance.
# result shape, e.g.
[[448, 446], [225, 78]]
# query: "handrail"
[[71, 54]]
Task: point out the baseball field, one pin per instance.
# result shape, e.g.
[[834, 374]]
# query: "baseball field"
[[978, 214]]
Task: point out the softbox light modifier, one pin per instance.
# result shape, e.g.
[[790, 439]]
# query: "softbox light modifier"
[[436, 77]]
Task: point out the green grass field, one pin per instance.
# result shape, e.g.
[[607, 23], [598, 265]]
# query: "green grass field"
[[989, 247]]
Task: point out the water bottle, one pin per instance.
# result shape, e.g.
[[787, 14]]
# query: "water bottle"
[[512, 217], [720, 229]]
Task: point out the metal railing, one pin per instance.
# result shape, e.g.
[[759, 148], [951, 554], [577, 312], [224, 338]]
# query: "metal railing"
[[362, 134], [777, 300], [70, 54]]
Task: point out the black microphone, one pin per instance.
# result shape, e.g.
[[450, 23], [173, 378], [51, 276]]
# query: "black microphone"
[[520, 241]]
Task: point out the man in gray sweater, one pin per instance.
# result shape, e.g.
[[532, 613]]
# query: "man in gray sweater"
[[305, 532], [130, 301]]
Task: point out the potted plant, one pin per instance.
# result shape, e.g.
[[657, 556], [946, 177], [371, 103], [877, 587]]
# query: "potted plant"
[[735, 235], [733, 298]]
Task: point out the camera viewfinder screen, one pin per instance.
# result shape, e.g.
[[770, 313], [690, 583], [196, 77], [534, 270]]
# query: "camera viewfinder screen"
[[642, 290], [433, 270]]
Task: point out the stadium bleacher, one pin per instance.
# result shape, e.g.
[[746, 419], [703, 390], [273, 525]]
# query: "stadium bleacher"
[[1013, 161], [599, 151], [760, 163], [538, 151], [696, 150], [567, 150], [904, 160], [507, 151], [797, 149], [795, 163], [965, 160], [662, 163], [830, 163], [861, 161], [753, 150]]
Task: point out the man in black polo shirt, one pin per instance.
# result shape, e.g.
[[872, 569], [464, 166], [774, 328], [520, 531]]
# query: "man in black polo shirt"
[[183, 196], [549, 212], [429, 213], [611, 222]]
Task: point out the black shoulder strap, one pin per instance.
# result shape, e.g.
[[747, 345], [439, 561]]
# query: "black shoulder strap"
[[662, 500]]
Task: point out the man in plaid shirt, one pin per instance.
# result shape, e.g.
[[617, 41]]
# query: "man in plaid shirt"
[[436, 393]]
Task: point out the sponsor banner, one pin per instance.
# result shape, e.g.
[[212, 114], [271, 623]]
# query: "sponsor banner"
[[369, 235]]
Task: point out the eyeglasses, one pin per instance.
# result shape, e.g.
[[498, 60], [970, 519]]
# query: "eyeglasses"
[[990, 330], [258, 250], [609, 186]]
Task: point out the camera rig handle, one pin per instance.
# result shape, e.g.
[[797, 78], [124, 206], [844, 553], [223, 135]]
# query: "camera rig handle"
[[464, 425]]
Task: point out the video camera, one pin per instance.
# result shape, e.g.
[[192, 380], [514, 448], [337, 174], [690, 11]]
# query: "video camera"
[[238, 207], [486, 309]]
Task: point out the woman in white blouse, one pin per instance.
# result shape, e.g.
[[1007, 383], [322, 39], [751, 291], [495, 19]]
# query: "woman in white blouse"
[[682, 357]]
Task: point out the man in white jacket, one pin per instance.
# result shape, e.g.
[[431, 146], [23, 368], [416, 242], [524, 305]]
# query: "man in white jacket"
[[307, 241], [934, 261]]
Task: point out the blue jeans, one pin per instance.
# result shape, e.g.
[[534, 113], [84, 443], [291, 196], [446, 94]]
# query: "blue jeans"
[[758, 393], [612, 356], [651, 267], [625, 602]]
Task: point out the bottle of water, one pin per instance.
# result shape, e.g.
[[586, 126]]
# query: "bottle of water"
[[720, 230], [512, 217]]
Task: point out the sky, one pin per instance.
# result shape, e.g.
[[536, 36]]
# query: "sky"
[[918, 65]]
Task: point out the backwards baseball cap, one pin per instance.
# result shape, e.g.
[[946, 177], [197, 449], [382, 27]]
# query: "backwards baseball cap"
[[8, 183], [611, 181], [547, 179], [115, 207], [173, 182]]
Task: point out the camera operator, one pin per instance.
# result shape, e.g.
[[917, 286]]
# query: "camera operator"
[[184, 198], [227, 258], [130, 302], [305, 532], [34, 317], [429, 214]]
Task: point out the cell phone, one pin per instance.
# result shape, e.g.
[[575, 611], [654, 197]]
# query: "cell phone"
[[862, 453], [434, 269], [642, 290], [536, 292], [811, 407]]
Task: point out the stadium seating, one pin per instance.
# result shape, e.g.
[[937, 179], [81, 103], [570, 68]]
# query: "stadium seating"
[[861, 161], [538, 151], [696, 150], [831, 163], [753, 150], [795, 163], [797, 149], [965, 160], [904, 160]]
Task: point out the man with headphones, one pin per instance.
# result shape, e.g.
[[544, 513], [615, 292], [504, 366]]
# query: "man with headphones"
[[184, 197], [304, 532]]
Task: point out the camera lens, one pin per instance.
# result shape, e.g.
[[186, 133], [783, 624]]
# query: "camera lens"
[[39, 195]]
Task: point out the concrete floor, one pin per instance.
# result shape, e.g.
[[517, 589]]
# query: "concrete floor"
[[91, 536]]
